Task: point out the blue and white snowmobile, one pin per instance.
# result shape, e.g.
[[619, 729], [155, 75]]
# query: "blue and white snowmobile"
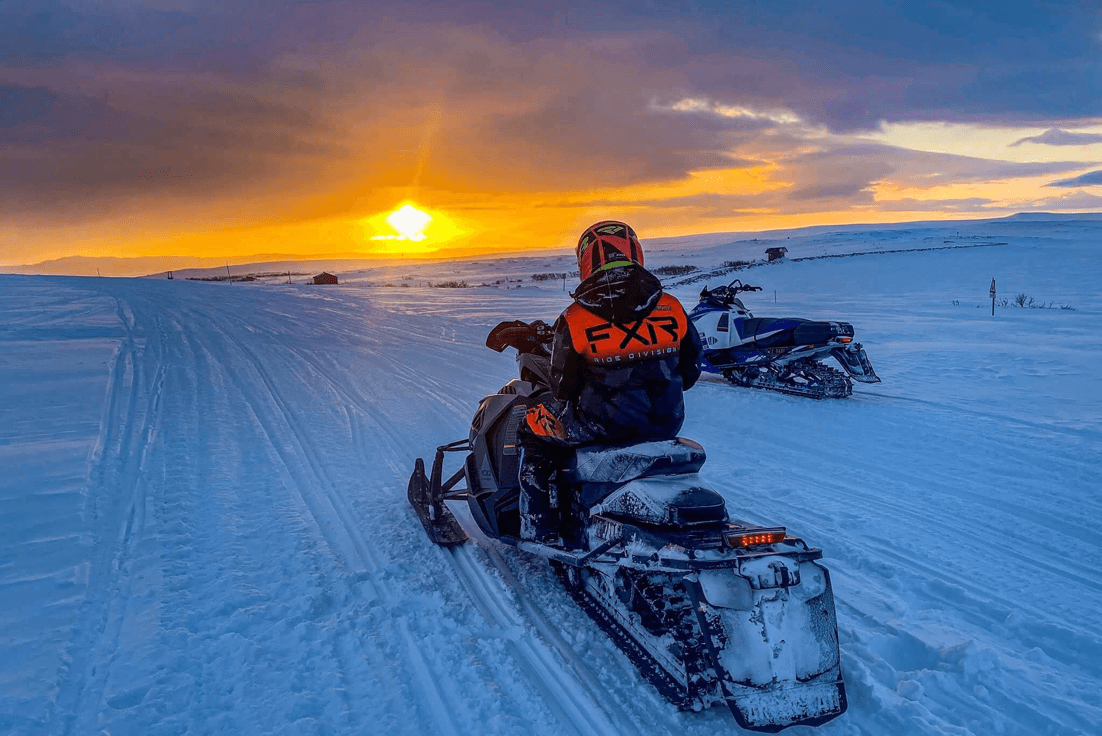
[[777, 354], [712, 610]]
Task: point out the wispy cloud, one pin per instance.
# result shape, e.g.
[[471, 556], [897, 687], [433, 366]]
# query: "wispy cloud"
[[1058, 137], [1091, 178], [731, 112], [1071, 202]]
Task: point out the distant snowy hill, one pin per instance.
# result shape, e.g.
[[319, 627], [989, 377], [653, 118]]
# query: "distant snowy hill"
[[204, 528], [733, 244], [143, 265], [708, 253]]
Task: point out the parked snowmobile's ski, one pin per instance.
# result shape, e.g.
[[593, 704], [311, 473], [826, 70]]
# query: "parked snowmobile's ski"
[[856, 362], [427, 501]]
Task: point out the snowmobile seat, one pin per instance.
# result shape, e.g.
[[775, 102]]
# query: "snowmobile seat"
[[609, 464], [655, 501], [769, 332]]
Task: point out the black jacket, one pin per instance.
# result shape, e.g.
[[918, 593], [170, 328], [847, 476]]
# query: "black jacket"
[[626, 381]]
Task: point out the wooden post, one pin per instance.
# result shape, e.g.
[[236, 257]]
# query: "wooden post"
[[992, 296]]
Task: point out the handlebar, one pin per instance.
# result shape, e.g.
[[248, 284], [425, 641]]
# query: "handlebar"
[[526, 337], [730, 291]]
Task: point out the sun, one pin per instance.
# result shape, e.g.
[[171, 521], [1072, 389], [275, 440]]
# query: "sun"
[[409, 230], [409, 221]]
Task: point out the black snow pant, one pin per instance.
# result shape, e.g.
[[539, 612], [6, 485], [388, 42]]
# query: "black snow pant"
[[542, 500]]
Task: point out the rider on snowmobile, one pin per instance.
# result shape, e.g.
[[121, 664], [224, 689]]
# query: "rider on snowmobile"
[[622, 355]]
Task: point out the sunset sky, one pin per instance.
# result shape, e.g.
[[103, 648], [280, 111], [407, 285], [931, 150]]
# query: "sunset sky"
[[235, 127]]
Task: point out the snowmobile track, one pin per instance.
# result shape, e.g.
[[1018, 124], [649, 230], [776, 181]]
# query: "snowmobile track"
[[562, 691], [535, 659], [833, 383], [126, 434], [356, 657], [568, 666], [330, 513], [639, 656]]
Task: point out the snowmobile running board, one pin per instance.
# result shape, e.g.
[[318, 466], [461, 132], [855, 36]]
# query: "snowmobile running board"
[[564, 556]]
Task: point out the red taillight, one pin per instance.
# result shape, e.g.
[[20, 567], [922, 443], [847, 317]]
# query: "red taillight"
[[845, 339], [754, 538]]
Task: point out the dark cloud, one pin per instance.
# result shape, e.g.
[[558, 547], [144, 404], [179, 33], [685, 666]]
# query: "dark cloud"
[[847, 190], [854, 64], [603, 143], [1057, 137], [1092, 178], [38, 32], [66, 156], [23, 104], [237, 34], [848, 65]]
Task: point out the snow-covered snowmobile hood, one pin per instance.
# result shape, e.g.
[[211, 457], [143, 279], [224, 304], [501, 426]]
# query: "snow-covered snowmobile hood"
[[620, 295]]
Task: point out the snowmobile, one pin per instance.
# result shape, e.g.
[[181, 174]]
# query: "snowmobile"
[[712, 610], [777, 354]]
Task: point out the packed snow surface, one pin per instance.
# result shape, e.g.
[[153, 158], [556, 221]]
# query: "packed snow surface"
[[203, 523]]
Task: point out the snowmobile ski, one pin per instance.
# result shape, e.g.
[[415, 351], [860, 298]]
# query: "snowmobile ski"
[[426, 498]]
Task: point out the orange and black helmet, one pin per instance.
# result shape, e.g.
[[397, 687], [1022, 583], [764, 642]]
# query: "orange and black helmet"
[[607, 244]]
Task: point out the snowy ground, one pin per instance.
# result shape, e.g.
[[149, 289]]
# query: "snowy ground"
[[203, 524]]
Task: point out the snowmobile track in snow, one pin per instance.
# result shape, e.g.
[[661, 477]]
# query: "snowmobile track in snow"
[[557, 678], [330, 512], [127, 429], [563, 688]]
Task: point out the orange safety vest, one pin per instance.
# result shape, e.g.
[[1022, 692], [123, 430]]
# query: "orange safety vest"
[[601, 342]]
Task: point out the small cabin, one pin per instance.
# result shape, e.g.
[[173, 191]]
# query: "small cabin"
[[325, 278], [776, 253]]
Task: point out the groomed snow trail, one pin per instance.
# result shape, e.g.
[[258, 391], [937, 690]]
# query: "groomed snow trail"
[[207, 526], [255, 568]]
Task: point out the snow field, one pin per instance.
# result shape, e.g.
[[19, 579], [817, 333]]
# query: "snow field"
[[205, 529]]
